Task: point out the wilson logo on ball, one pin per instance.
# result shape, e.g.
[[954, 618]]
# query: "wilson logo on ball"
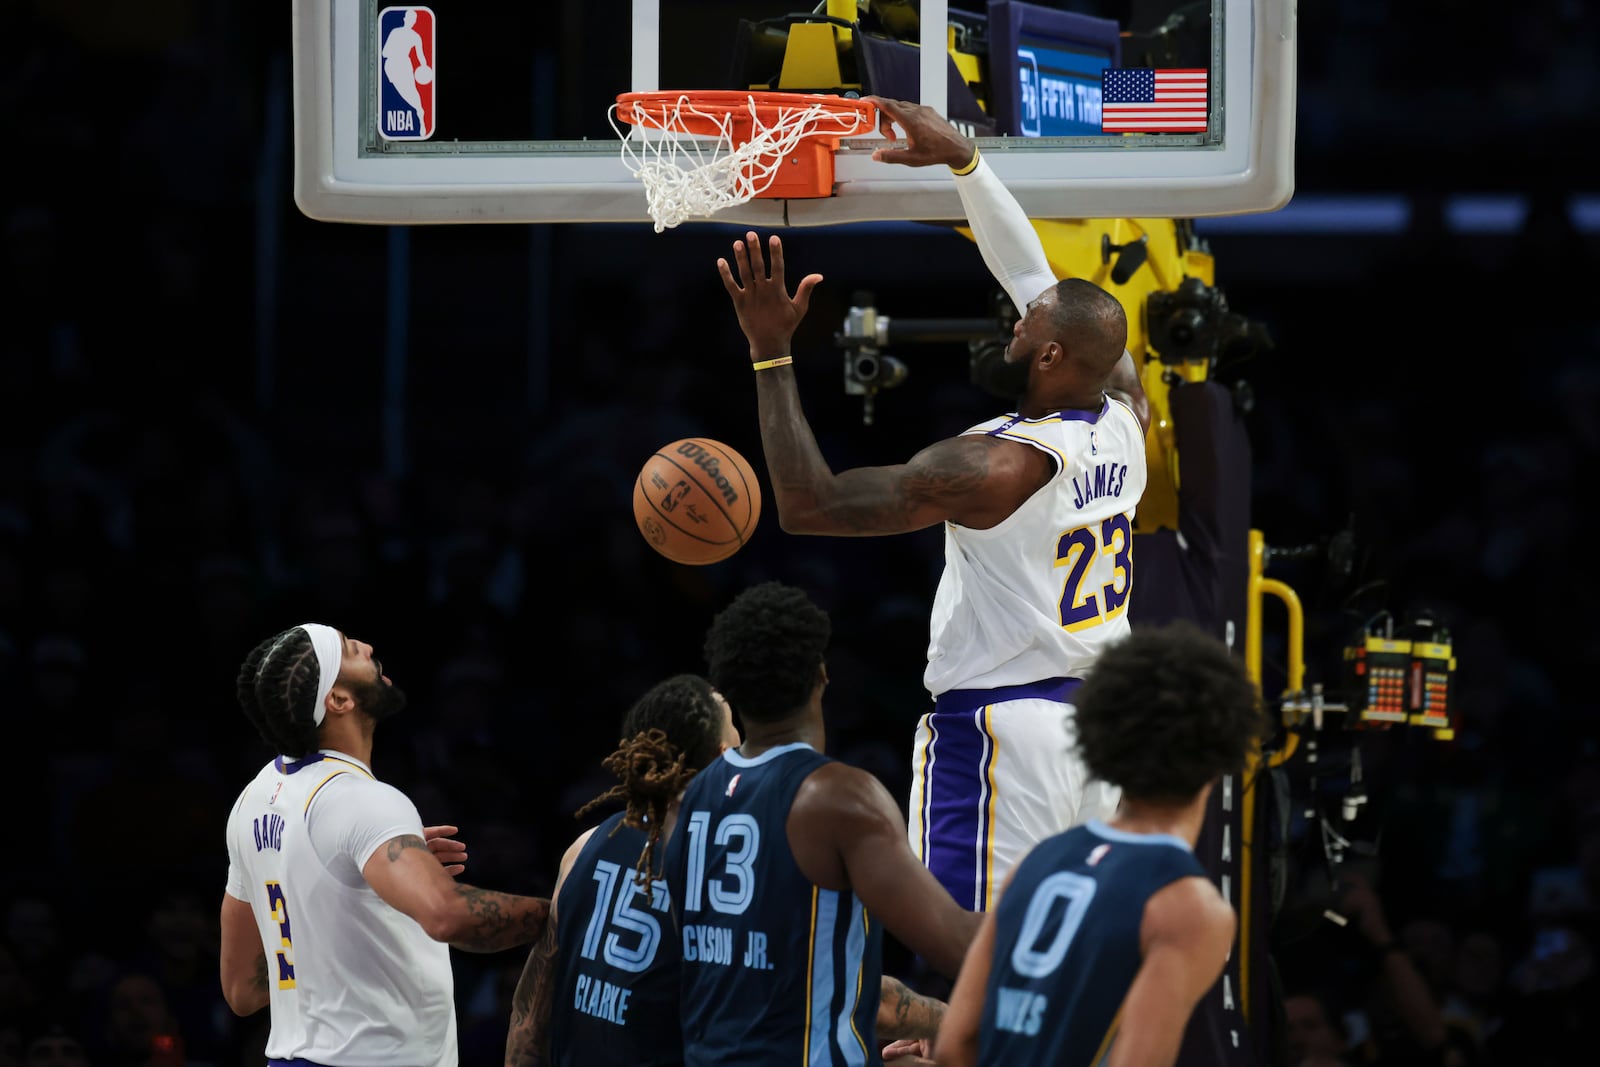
[[696, 501], [708, 463]]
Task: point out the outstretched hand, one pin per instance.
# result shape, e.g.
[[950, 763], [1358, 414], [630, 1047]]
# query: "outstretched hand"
[[930, 138], [445, 848], [767, 313]]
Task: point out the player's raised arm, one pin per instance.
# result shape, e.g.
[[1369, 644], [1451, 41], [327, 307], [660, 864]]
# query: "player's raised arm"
[[974, 480], [1010, 245]]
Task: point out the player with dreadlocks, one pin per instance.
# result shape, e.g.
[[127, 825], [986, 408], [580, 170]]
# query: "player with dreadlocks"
[[340, 907], [610, 955]]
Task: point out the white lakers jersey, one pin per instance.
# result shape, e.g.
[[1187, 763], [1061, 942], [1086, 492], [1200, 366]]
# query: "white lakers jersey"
[[1039, 595], [352, 982]]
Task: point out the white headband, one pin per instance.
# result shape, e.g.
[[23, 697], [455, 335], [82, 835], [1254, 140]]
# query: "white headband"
[[329, 647]]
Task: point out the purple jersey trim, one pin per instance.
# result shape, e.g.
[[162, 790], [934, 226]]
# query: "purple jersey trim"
[[956, 701]]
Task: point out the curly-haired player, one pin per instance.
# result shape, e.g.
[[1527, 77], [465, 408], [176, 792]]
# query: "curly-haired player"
[[1107, 935], [341, 908], [610, 953], [786, 866]]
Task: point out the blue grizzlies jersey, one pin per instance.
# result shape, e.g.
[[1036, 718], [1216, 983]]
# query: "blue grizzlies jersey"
[[616, 994], [1067, 943], [775, 969]]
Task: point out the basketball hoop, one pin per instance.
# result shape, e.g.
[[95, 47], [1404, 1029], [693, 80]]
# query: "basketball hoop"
[[761, 144]]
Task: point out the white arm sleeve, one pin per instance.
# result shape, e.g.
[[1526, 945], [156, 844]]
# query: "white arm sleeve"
[[1010, 245]]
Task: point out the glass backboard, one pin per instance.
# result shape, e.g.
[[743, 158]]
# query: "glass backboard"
[[464, 112]]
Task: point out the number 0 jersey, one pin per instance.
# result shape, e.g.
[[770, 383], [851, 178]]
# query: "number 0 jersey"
[[1066, 944], [351, 981], [1039, 595], [775, 969], [616, 992]]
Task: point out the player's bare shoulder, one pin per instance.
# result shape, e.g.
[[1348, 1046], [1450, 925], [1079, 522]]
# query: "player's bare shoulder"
[[835, 808], [836, 790], [1190, 912], [570, 856]]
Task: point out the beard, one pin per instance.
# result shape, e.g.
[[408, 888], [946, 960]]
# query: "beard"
[[997, 376], [378, 699]]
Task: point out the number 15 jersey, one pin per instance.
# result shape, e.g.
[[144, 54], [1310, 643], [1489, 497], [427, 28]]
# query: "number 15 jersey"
[[775, 969], [617, 960]]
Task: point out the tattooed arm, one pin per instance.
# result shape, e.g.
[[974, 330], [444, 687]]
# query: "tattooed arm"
[[528, 1037], [905, 1015], [409, 878], [975, 481], [972, 480], [243, 962]]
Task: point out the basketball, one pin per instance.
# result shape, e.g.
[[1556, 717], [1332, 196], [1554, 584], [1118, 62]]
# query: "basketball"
[[696, 501], [424, 74]]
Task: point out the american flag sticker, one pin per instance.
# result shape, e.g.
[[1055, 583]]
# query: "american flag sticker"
[[1142, 100]]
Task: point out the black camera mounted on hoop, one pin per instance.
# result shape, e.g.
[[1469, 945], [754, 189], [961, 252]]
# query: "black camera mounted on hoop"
[[1192, 324]]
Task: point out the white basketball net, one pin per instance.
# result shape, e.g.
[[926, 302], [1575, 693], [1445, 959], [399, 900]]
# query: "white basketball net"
[[689, 177]]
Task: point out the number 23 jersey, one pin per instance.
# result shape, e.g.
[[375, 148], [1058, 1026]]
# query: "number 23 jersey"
[[1038, 595]]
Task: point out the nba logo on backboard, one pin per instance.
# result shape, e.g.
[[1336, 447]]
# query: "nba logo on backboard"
[[406, 74]]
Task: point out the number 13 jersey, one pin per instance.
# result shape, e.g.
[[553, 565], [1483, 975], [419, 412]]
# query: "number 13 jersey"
[[775, 969]]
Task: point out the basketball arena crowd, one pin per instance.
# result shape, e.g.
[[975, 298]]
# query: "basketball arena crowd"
[[197, 450]]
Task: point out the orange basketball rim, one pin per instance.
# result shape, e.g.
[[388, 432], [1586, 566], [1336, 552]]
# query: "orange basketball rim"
[[783, 142]]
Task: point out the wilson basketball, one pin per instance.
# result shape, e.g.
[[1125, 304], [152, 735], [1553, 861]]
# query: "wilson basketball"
[[696, 501]]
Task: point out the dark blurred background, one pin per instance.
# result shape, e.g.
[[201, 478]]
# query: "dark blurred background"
[[219, 418]]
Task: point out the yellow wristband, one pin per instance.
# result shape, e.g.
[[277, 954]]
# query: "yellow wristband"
[[972, 165], [781, 361]]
